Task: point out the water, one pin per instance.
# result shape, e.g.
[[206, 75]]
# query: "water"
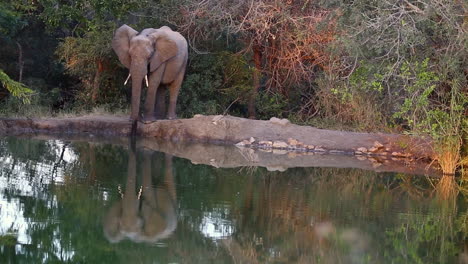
[[81, 202]]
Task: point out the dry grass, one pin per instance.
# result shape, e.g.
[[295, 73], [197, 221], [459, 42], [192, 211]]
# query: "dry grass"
[[448, 156], [447, 187]]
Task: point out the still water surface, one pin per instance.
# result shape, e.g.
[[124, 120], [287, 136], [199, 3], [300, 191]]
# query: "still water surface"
[[80, 202]]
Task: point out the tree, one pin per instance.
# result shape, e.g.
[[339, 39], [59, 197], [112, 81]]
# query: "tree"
[[86, 51], [286, 39], [16, 89], [11, 23], [411, 56]]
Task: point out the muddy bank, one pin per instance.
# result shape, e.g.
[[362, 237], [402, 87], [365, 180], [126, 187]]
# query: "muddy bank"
[[275, 135]]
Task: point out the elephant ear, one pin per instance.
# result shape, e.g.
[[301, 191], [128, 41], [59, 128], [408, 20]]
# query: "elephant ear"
[[164, 49], [121, 43]]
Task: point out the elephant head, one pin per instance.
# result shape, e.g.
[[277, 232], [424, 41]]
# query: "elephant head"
[[147, 213], [160, 54]]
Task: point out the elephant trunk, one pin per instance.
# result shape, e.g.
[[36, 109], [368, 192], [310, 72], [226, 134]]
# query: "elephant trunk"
[[138, 71]]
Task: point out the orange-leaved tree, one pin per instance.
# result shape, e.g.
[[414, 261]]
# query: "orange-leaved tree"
[[287, 40]]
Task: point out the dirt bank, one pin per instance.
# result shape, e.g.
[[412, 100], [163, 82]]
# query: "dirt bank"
[[276, 135]]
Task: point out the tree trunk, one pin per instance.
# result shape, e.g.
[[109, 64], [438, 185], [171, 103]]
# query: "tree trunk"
[[257, 57], [97, 77], [20, 62]]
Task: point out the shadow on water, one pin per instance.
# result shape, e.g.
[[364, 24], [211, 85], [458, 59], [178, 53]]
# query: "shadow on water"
[[69, 201]]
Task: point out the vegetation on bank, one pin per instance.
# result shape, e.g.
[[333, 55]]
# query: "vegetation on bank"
[[366, 65]]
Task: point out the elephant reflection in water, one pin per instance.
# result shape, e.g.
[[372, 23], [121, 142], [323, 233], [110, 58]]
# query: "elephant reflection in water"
[[146, 214]]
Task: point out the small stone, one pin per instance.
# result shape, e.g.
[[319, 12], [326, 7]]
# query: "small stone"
[[280, 144], [373, 149], [357, 152], [279, 151], [376, 165], [266, 143], [197, 116], [362, 149], [243, 143], [399, 154], [361, 158], [378, 145], [310, 147], [251, 140], [266, 149], [278, 121], [319, 149], [293, 142], [276, 168]]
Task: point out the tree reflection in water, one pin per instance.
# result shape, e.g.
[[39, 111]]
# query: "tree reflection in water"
[[64, 200]]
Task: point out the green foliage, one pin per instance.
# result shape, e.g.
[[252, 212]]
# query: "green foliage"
[[215, 83], [410, 58], [83, 16], [81, 53], [420, 86], [16, 89], [10, 21], [271, 104], [90, 58], [199, 93]]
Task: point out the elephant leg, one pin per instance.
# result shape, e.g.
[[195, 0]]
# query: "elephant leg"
[[130, 218], [160, 107], [174, 88], [147, 182], [136, 93], [154, 82], [168, 176]]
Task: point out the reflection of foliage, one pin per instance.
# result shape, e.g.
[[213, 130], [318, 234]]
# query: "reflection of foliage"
[[306, 215], [418, 234], [8, 240], [434, 233]]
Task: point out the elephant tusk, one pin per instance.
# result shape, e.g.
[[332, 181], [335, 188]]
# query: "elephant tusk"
[[125, 83], [146, 79]]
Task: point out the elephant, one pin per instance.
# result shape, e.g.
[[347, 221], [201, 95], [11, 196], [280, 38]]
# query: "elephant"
[[147, 214], [160, 54]]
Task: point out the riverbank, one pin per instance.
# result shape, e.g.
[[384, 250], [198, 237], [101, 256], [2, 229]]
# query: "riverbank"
[[235, 142], [275, 135]]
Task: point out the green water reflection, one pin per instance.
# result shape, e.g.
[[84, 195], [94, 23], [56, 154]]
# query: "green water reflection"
[[81, 202]]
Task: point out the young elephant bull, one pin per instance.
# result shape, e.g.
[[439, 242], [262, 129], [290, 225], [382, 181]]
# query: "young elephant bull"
[[160, 54]]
